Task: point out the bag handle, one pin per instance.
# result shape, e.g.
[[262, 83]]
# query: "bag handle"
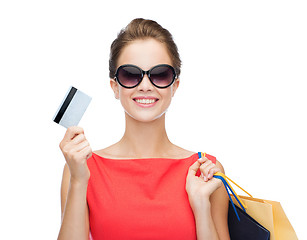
[[229, 188], [226, 179]]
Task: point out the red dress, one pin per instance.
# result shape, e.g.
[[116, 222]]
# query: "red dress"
[[140, 199]]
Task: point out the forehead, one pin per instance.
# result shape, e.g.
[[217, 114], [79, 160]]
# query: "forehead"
[[145, 54]]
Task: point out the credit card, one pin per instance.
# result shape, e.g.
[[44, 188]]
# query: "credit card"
[[72, 108]]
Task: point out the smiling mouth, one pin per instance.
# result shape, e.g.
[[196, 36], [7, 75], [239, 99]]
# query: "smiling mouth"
[[145, 101]]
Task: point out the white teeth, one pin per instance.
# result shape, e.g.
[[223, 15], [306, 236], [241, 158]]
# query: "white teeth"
[[145, 101]]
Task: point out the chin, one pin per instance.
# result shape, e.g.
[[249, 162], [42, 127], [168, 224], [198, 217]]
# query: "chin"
[[146, 118]]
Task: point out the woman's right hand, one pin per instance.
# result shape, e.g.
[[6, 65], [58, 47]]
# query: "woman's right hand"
[[76, 150]]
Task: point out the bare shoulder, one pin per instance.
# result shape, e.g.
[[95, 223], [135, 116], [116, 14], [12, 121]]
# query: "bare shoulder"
[[180, 152], [108, 152], [219, 205], [102, 153], [220, 166]]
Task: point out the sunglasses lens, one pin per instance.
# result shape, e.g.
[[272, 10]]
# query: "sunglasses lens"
[[129, 76], [162, 76]]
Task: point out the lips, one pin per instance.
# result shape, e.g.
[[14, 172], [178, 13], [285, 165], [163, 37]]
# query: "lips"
[[145, 101]]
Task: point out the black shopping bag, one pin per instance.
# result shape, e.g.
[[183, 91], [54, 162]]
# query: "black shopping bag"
[[246, 228]]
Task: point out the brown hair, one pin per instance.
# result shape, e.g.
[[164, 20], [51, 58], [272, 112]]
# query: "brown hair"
[[141, 29]]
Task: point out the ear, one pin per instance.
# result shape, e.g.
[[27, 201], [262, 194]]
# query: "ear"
[[115, 88], [175, 86]]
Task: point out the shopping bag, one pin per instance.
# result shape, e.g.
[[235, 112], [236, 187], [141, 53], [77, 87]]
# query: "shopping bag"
[[266, 214], [240, 224], [246, 228], [271, 215]]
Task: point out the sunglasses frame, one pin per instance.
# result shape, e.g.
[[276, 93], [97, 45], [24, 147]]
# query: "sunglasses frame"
[[147, 73]]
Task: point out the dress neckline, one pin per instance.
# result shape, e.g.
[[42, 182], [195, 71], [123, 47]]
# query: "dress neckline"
[[138, 159]]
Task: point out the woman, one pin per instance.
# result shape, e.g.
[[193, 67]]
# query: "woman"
[[144, 186]]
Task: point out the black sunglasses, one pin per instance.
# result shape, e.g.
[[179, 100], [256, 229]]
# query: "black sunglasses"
[[161, 76]]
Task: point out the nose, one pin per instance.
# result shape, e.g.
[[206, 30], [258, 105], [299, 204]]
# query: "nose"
[[145, 85]]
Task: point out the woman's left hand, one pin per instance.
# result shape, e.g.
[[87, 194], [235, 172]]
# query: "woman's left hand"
[[200, 188]]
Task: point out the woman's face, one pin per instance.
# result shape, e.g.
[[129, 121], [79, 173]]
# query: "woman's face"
[[144, 54]]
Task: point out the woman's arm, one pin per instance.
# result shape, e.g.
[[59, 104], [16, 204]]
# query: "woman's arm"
[[210, 219], [219, 209], [75, 220], [205, 227]]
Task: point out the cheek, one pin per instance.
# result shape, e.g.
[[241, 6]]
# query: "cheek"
[[121, 92], [125, 98], [166, 96], [167, 93]]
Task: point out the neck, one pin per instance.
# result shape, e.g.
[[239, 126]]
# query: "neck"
[[145, 139]]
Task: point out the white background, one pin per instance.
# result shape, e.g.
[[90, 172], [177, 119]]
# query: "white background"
[[242, 96]]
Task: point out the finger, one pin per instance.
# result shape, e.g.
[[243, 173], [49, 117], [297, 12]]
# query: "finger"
[[204, 166], [218, 183], [205, 169], [86, 152], [79, 147], [202, 160], [193, 168], [205, 162], [80, 152], [213, 171], [72, 132], [78, 138]]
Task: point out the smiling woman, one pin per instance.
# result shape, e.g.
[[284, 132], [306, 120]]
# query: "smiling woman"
[[143, 186], [146, 54]]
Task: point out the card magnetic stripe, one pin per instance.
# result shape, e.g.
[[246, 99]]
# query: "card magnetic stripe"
[[65, 104]]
